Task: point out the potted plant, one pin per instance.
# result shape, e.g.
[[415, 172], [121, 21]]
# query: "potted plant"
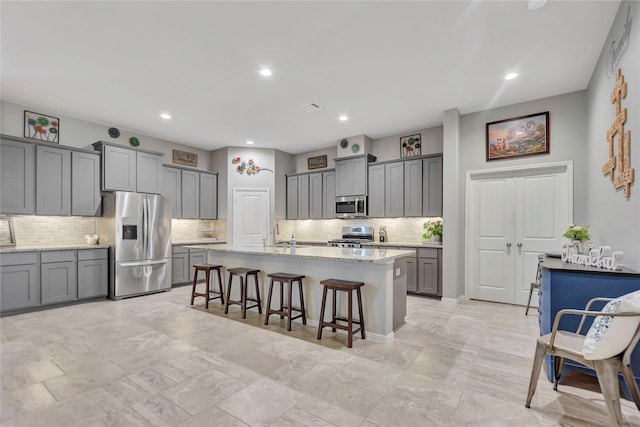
[[433, 229], [578, 236]]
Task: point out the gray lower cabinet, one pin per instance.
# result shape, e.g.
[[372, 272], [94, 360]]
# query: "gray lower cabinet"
[[292, 197], [19, 280], [196, 257], [412, 275], [93, 273], [190, 194], [429, 272], [17, 177], [85, 184], [208, 196], [432, 186], [180, 266], [303, 196], [413, 188], [53, 181], [58, 275], [376, 190], [329, 194], [172, 188]]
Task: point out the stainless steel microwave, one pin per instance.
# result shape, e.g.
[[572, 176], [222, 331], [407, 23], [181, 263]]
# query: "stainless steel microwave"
[[351, 206]]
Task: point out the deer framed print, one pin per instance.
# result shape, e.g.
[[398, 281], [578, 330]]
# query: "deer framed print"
[[518, 137]]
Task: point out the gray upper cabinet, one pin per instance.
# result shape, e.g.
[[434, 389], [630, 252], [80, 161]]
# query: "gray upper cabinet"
[[394, 189], [118, 169], [315, 195], [17, 177], [85, 184], [172, 188], [190, 194], [53, 181], [413, 188], [148, 172], [292, 197], [208, 196], [376, 190], [432, 186], [351, 176], [329, 194], [303, 196]]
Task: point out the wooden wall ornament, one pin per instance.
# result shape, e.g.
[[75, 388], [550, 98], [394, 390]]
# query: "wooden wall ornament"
[[625, 176]]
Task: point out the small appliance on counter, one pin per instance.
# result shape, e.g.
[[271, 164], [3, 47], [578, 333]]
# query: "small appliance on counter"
[[382, 233], [353, 237]]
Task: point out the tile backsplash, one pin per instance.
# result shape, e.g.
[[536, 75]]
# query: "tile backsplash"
[[408, 230], [189, 229], [33, 230]]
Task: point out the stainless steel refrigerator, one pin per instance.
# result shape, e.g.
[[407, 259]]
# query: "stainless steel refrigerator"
[[137, 227]]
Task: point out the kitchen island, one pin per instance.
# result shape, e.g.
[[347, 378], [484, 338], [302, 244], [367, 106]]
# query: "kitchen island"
[[383, 272]]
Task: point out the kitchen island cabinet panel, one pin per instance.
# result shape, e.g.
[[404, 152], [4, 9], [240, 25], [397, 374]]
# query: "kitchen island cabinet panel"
[[208, 196], [412, 274], [53, 181], [59, 280], [85, 184], [329, 195], [315, 195], [190, 194], [17, 177]]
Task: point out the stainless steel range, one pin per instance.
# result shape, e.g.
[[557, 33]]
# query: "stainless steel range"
[[353, 237]]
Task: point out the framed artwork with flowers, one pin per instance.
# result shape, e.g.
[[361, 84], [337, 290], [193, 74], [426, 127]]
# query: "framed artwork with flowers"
[[41, 127], [411, 145], [518, 137]]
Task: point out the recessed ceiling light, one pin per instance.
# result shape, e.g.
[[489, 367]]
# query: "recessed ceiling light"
[[343, 118], [250, 142], [536, 4], [266, 72], [511, 76], [165, 116]]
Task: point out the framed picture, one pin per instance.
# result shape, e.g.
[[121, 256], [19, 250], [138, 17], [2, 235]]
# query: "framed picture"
[[411, 145], [185, 158], [41, 127], [317, 162], [518, 137], [7, 238]]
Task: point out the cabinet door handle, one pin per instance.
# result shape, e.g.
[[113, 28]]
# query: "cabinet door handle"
[[519, 245], [508, 244]]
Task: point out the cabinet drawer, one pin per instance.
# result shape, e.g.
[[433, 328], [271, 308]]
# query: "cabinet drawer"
[[179, 250], [87, 254], [19, 258], [58, 256], [428, 253]]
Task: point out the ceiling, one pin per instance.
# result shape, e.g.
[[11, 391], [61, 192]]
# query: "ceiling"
[[392, 67]]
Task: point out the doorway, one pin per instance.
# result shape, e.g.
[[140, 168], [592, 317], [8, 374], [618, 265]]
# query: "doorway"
[[251, 217], [512, 216]]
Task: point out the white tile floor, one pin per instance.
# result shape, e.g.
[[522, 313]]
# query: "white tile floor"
[[155, 360]]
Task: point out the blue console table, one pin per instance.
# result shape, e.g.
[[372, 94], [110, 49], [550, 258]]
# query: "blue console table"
[[564, 285]]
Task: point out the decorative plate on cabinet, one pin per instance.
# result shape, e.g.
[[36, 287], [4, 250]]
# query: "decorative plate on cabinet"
[[355, 148]]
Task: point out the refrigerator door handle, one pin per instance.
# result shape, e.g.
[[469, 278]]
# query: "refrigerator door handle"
[[145, 226], [142, 263]]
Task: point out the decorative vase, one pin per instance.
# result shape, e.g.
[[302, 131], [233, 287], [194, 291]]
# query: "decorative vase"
[[437, 238], [582, 248]]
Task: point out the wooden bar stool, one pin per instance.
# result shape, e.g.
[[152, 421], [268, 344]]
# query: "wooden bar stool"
[[243, 274], [206, 268], [345, 286], [285, 310]]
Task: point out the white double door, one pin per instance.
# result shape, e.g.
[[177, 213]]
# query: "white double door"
[[251, 217], [512, 216]]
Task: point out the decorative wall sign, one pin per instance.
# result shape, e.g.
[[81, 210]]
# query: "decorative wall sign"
[[411, 145], [185, 158], [41, 127], [317, 162], [249, 167], [518, 137], [597, 257], [618, 47], [625, 176]]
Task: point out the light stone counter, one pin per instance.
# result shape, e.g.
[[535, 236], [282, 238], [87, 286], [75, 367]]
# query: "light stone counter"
[[383, 271], [426, 244], [51, 248]]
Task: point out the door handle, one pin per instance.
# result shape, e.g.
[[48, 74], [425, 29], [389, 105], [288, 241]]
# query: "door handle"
[[519, 245], [508, 244]]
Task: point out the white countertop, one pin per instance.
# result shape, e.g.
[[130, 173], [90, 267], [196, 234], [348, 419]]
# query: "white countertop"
[[425, 244], [197, 242], [322, 253], [50, 248]]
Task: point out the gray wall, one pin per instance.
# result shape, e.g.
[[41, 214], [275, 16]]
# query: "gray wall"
[[285, 163], [614, 219], [81, 134]]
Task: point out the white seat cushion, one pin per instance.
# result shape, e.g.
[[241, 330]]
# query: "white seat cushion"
[[610, 336]]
